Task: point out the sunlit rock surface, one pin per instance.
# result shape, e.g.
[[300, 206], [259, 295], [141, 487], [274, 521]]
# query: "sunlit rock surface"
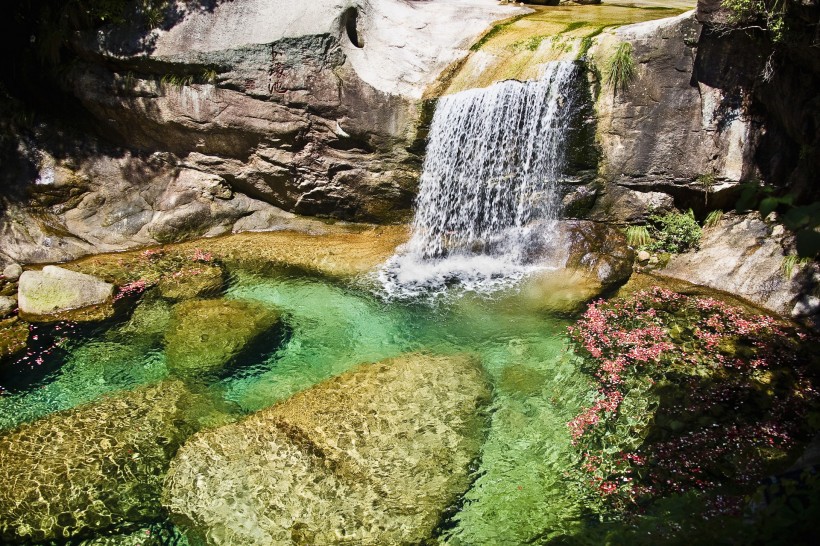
[[744, 256], [191, 282], [55, 290], [93, 468], [373, 456]]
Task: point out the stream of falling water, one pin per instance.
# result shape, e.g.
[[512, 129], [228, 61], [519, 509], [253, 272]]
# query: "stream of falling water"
[[488, 191]]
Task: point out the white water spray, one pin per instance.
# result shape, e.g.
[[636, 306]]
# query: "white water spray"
[[488, 189]]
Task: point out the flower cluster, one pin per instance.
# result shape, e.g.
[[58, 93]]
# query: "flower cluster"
[[130, 289], [692, 395], [201, 256]]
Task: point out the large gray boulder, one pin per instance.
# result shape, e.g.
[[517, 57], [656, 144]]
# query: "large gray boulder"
[[93, 468], [667, 131], [744, 256], [371, 457], [55, 290], [238, 116]]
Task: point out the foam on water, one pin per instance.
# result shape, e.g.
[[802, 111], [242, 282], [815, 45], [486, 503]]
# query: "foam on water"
[[488, 191]]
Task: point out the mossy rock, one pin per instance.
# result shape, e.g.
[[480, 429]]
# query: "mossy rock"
[[192, 282], [13, 336], [94, 468], [205, 336], [373, 456]]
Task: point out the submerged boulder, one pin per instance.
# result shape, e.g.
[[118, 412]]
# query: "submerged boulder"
[[192, 282], [373, 456], [56, 290], [92, 468], [206, 335]]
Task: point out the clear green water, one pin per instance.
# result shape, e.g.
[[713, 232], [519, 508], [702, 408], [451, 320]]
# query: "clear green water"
[[518, 494]]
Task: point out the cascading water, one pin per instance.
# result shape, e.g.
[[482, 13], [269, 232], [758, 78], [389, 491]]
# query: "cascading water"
[[488, 191]]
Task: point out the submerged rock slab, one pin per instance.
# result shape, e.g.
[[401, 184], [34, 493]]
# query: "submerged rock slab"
[[56, 290], [92, 468], [206, 335], [373, 456], [192, 282]]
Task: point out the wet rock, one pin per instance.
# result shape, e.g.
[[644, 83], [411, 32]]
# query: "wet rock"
[[7, 305], [12, 272], [55, 290], [204, 336], [577, 202], [564, 290], [371, 457], [594, 249], [743, 256], [644, 256], [192, 282], [13, 336], [92, 468], [624, 205]]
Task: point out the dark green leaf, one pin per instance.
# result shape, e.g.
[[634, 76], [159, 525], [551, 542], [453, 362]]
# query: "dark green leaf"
[[808, 243]]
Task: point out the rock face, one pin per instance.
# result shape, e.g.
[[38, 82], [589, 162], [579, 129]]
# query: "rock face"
[[92, 468], [744, 256], [669, 132], [205, 335], [593, 249], [55, 290], [234, 117], [371, 457]]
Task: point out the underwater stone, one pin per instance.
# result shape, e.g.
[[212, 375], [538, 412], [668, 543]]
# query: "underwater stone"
[[191, 282], [92, 468], [373, 456], [206, 335], [55, 290]]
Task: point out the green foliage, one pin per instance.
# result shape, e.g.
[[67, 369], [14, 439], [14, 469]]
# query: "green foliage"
[[713, 219], [637, 236], [209, 75], [620, 69], [768, 14], [674, 232], [707, 181], [177, 80], [792, 261], [676, 377]]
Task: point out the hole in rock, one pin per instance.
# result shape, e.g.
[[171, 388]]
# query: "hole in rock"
[[350, 20]]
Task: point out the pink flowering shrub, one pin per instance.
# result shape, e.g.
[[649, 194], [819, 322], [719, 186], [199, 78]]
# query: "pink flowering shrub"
[[131, 289], [201, 256], [692, 395]]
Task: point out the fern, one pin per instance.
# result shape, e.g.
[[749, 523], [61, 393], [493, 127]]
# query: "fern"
[[713, 219], [637, 236]]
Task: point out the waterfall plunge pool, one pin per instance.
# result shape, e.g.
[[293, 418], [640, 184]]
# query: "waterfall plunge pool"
[[517, 490]]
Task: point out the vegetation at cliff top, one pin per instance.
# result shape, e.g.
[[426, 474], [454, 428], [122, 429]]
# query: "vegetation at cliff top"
[[770, 15]]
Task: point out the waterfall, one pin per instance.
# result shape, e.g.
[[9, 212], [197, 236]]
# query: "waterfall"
[[488, 188]]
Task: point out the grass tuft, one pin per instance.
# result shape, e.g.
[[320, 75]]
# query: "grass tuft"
[[620, 69]]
